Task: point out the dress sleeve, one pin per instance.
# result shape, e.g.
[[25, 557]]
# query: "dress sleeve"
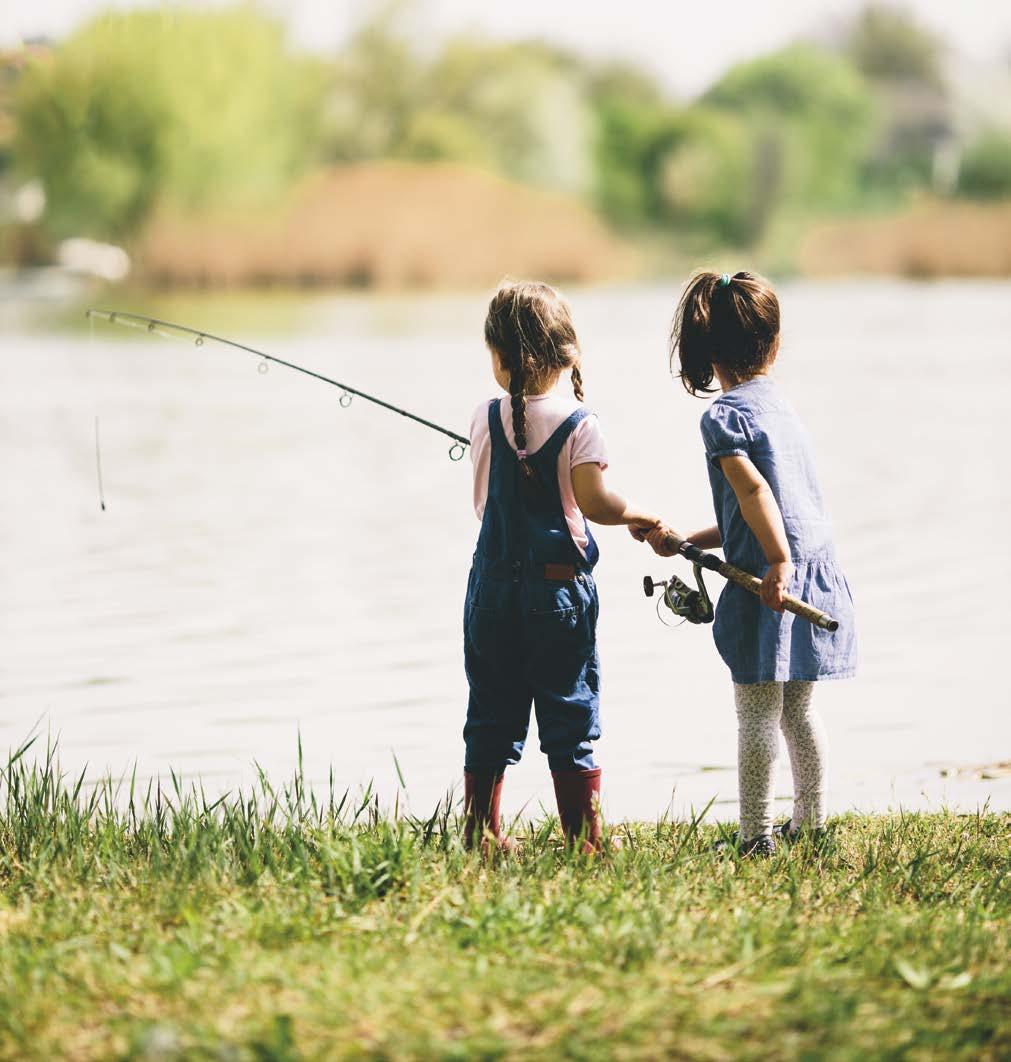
[[586, 444], [725, 432]]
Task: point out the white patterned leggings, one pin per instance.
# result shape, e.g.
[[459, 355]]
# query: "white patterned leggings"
[[763, 708]]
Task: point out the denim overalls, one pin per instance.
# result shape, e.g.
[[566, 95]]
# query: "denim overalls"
[[531, 617]]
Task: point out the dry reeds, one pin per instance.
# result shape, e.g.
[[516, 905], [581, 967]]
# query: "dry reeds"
[[933, 239], [389, 225]]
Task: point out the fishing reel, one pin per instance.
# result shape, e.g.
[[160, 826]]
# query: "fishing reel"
[[694, 606]]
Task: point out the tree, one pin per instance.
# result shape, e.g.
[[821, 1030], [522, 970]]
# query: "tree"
[[523, 102], [187, 108], [888, 44], [905, 64], [985, 171], [813, 115]]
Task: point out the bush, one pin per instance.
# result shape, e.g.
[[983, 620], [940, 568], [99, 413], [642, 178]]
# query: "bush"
[[815, 114], [985, 172], [196, 108]]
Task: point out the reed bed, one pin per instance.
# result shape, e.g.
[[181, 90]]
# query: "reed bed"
[[280, 923]]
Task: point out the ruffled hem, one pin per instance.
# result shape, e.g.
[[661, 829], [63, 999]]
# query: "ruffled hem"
[[759, 645], [820, 676]]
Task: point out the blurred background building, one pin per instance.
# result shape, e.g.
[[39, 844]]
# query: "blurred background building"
[[420, 145]]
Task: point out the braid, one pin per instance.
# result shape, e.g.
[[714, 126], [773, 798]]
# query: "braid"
[[577, 382], [517, 383], [529, 329]]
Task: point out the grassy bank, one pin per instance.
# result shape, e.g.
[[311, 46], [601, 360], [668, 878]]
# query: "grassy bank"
[[278, 925]]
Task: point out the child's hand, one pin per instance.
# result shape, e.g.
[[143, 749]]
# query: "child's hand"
[[661, 542], [775, 583], [639, 529]]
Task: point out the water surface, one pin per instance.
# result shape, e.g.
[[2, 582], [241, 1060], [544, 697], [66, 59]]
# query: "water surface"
[[270, 563]]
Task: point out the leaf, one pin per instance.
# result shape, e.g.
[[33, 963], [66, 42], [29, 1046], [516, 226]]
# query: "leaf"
[[914, 976], [959, 980]]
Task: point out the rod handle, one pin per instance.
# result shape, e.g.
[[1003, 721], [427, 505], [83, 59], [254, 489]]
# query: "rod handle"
[[792, 604], [749, 582]]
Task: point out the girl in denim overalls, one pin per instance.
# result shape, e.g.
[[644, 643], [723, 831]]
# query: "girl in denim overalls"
[[770, 519], [531, 612]]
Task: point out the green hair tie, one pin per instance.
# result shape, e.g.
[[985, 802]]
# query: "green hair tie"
[[724, 280]]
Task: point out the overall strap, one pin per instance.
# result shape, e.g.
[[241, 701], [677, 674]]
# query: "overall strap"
[[495, 430], [546, 458], [553, 447], [559, 438]]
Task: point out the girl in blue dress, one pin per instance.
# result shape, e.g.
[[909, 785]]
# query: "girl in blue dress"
[[770, 520]]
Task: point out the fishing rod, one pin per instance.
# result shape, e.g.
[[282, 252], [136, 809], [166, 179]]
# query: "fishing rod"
[[694, 605], [154, 326]]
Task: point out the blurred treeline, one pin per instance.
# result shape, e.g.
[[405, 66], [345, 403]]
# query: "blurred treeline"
[[212, 111]]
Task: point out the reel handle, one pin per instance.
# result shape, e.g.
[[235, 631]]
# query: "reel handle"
[[649, 585]]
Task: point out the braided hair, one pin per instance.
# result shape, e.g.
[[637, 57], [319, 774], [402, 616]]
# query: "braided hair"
[[529, 326]]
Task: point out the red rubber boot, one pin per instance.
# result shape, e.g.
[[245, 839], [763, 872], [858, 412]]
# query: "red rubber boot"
[[482, 796], [578, 796]]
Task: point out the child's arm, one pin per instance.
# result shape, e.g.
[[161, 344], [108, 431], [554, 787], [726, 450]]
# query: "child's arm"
[[707, 538], [762, 515], [603, 506]]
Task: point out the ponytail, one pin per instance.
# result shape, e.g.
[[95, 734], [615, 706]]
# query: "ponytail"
[[730, 322]]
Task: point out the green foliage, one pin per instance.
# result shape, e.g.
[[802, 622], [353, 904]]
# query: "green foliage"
[[887, 44], [985, 172], [374, 93], [521, 103], [903, 62], [814, 117], [208, 109], [184, 107], [515, 108], [154, 923]]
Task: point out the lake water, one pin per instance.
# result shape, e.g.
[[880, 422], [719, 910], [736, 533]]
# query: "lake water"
[[270, 563]]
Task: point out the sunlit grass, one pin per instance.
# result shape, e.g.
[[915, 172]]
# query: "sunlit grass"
[[282, 923]]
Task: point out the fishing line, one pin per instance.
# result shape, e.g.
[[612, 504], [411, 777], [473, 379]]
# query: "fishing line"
[[98, 467], [168, 330], [660, 602], [98, 446]]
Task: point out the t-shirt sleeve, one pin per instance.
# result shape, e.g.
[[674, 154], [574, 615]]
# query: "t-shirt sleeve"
[[479, 421], [587, 444], [725, 432], [480, 456]]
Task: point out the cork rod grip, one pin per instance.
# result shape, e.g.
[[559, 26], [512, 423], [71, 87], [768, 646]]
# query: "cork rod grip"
[[747, 581], [790, 603]]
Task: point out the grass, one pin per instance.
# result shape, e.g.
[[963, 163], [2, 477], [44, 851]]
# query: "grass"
[[277, 924]]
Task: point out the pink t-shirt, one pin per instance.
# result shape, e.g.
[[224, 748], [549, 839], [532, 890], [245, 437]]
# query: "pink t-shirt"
[[585, 445]]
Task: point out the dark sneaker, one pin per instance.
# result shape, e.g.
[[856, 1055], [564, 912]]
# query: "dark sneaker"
[[782, 831], [759, 847]]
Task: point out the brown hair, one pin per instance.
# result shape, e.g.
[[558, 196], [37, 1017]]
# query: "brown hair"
[[732, 322], [529, 325]]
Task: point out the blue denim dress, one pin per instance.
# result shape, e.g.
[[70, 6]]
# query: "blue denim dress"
[[530, 618], [755, 420]]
